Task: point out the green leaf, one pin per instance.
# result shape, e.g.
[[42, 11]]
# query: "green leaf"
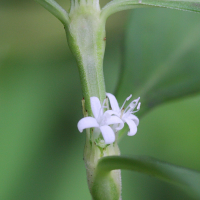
[[187, 179], [161, 57], [119, 5]]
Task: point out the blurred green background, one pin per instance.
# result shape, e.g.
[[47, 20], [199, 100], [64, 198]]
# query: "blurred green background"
[[41, 150]]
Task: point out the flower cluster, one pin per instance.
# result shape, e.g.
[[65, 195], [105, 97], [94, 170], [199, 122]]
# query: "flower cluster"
[[109, 122]]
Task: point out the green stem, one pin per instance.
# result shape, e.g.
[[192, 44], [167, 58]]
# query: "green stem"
[[119, 5], [55, 9], [86, 33]]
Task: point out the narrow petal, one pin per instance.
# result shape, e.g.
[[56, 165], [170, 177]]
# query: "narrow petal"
[[111, 112], [87, 122], [107, 115], [119, 127], [132, 127], [134, 118], [96, 106], [113, 102], [108, 134], [115, 120]]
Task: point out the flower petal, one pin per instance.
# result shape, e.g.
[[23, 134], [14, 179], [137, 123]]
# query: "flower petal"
[[96, 106], [134, 118], [108, 134], [113, 102], [115, 120], [87, 122], [132, 127], [119, 127], [111, 112]]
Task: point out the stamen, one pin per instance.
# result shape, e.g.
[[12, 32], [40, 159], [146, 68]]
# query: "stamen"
[[132, 105], [122, 112], [138, 107], [127, 99]]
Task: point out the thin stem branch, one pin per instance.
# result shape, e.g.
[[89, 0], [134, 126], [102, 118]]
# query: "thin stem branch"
[[119, 5], [55, 9]]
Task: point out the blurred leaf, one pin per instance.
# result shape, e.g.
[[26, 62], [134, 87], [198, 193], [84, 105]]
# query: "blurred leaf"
[[38, 132], [187, 179], [161, 57]]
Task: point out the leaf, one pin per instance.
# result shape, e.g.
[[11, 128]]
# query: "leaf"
[[160, 58], [119, 5], [187, 179], [37, 120]]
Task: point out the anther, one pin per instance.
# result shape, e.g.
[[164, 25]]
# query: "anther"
[[138, 106], [122, 112]]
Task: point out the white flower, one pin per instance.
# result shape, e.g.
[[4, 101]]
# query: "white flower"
[[127, 114], [100, 121]]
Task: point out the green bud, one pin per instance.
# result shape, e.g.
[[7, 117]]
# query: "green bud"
[[102, 186]]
